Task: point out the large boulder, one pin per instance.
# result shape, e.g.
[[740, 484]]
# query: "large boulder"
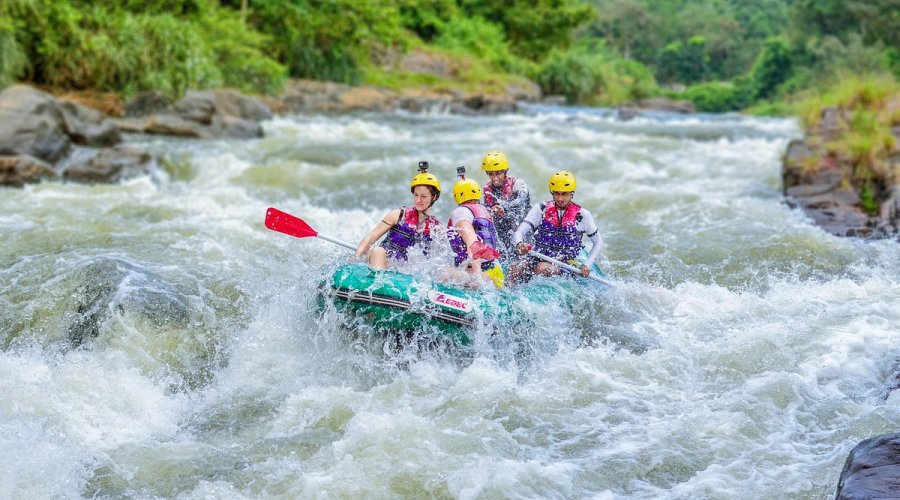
[[199, 114], [111, 165], [872, 470], [108, 287], [146, 103], [40, 137], [32, 124], [88, 127]]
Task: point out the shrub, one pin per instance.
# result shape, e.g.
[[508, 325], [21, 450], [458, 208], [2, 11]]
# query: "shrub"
[[13, 62], [718, 97], [104, 50], [239, 54], [477, 37], [327, 39], [771, 69], [426, 18], [572, 73]]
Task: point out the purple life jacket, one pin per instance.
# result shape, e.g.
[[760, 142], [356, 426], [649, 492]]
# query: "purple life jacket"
[[558, 236], [505, 194], [484, 230], [404, 235]]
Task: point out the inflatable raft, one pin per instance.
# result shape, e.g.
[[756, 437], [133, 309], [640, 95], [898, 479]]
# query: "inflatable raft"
[[395, 301]]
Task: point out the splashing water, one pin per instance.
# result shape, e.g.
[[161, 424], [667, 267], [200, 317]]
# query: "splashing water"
[[158, 341]]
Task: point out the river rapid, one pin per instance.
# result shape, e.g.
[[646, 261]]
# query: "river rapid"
[[159, 342]]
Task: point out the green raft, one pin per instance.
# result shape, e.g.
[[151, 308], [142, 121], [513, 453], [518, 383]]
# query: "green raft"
[[394, 301]]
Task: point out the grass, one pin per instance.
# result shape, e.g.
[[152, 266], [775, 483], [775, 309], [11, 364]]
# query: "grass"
[[869, 108]]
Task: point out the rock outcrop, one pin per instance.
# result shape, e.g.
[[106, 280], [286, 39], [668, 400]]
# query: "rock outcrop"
[[309, 96], [199, 114], [38, 133], [636, 108], [821, 181], [872, 469]]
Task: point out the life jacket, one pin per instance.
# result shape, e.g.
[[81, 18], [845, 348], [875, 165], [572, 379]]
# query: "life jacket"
[[404, 235], [558, 236], [506, 192], [484, 230]]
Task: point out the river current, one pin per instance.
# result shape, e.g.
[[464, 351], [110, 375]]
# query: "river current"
[[159, 342]]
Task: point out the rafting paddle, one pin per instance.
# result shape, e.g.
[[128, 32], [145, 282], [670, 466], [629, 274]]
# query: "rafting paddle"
[[283, 222], [568, 267]]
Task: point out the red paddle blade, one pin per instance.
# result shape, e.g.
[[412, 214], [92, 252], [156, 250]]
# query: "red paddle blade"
[[283, 222], [481, 251]]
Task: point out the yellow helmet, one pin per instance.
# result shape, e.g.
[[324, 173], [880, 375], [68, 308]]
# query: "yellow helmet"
[[494, 161], [562, 182], [425, 179], [466, 190]]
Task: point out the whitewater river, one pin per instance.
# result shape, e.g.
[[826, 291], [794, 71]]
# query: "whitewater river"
[[159, 342]]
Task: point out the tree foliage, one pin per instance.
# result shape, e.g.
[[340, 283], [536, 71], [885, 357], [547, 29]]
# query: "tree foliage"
[[533, 27]]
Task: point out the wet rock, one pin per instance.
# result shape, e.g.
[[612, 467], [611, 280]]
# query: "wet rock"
[[237, 128], [524, 91], [111, 165], [199, 114], [889, 222], [306, 96], [20, 170], [636, 108], [114, 286], [146, 103], [872, 469], [32, 124], [88, 127], [554, 100], [311, 95], [170, 125], [38, 134]]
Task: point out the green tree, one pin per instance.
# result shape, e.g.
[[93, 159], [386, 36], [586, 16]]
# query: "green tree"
[[427, 18], [875, 20], [533, 28], [772, 68], [627, 26], [326, 39], [683, 62]]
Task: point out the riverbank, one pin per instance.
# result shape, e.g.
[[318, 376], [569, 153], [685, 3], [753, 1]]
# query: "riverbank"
[[77, 136], [845, 172]]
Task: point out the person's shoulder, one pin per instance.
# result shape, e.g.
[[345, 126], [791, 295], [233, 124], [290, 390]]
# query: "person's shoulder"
[[460, 211], [395, 214]]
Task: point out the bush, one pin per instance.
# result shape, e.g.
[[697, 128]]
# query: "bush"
[[771, 69], [13, 61], [869, 141], [572, 73], [239, 54], [327, 39], [718, 97], [477, 37], [120, 51], [426, 18], [626, 80]]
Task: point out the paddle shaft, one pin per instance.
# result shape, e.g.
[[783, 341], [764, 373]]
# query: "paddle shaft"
[[336, 241], [567, 266]]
